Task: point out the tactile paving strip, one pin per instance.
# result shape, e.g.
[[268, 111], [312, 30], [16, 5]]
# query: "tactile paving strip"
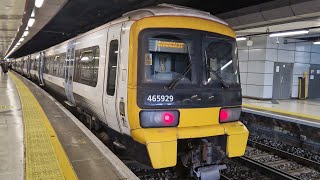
[[45, 157]]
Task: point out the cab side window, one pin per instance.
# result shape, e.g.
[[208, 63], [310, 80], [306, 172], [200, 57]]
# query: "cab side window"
[[112, 67]]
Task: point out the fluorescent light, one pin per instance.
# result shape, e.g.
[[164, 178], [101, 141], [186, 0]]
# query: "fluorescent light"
[[18, 43], [226, 65], [21, 39], [317, 42], [39, 3], [241, 38], [25, 33], [33, 13], [31, 22], [289, 33]]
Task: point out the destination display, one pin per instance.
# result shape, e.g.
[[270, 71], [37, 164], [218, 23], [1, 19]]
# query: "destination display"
[[166, 45]]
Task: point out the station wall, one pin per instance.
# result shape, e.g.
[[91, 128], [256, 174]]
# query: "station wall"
[[257, 64]]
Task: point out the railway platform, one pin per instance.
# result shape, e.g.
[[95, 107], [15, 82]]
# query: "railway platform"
[[40, 139], [295, 122], [305, 112]]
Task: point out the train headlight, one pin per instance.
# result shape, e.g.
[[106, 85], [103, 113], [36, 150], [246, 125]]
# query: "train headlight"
[[155, 118], [229, 114]]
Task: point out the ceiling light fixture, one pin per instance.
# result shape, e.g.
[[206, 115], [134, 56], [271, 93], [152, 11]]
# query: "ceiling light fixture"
[[39, 3], [289, 33], [25, 33], [21, 39], [241, 38], [316, 42], [31, 22]]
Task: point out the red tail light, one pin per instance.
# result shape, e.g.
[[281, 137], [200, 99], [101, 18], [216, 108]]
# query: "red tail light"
[[168, 118], [224, 114], [154, 118], [229, 114]]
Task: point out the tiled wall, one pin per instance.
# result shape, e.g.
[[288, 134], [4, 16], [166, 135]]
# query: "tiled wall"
[[256, 68], [257, 63]]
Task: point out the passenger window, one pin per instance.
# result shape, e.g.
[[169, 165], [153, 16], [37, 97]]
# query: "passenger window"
[[36, 63], [55, 65], [87, 66], [112, 67], [62, 58], [96, 65], [51, 65], [86, 73], [46, 62]]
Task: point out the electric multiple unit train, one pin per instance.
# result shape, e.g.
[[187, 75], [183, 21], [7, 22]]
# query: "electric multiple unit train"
[[163, 82]]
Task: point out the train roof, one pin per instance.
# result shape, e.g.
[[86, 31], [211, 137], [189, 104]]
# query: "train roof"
[[171, 10], [159, 10]]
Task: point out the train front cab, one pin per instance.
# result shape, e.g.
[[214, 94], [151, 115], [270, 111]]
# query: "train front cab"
[[156, 42]]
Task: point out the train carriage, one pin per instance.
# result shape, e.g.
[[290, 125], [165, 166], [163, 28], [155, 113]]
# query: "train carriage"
[[162, 81]]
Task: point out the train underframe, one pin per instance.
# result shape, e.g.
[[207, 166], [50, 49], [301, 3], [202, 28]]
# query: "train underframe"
[[203, 157]]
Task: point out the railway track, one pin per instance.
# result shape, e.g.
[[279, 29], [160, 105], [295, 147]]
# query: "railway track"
[[278, 164], [287, 155]]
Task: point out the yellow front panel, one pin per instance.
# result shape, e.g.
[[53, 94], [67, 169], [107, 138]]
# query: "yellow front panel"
[[197, 132], [148, 135], [237, 138], [199, 117], [163, 154]]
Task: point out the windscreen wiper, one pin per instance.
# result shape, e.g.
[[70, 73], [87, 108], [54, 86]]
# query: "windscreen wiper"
[[174, 83], [224, 84], [209, 69]]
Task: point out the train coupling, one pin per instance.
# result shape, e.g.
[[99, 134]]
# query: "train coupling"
[[209, 172]]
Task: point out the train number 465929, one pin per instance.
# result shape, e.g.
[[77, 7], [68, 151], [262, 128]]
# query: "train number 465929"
[[160, 98]]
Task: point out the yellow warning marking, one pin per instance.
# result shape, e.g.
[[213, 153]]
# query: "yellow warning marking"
[[45, 157], [281, 111], [6, 107]]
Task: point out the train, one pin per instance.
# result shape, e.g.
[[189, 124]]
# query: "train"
[[163, 83]]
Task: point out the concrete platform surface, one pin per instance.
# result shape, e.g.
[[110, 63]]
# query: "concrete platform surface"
[[11, 131]]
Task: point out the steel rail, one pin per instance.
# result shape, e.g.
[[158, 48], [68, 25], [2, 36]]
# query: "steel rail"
[[224, 177], [265, 169], [287, 155]]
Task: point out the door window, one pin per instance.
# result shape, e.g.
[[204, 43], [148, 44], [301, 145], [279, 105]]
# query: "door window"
[[112, 67]]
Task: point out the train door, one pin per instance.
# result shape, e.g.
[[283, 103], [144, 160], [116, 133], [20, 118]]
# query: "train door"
[[41, 68], [111, 72], [68, 75]]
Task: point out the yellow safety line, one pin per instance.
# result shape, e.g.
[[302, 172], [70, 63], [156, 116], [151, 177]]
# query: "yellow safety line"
[[281, 111], [45, 157]]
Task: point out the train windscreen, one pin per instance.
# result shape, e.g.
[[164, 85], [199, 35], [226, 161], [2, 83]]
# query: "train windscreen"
[[187, 68]]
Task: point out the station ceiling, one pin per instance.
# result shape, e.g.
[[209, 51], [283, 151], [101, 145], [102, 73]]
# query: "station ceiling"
[[11, 13], [79, 16]]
